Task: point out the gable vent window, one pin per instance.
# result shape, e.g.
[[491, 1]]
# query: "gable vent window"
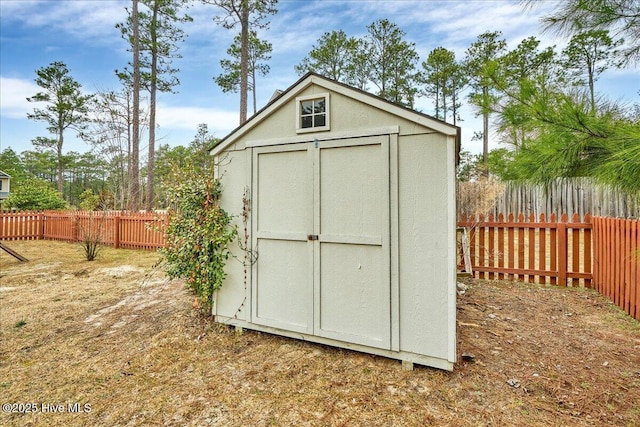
[[312, 113]]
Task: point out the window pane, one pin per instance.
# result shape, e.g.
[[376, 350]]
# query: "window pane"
[[307, 107], [319, 106], [320, 120], [307, 121]]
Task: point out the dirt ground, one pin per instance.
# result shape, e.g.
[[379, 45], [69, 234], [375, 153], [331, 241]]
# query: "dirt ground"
[[113, 342]]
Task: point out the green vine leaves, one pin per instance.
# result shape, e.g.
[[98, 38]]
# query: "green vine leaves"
[[198, 234]]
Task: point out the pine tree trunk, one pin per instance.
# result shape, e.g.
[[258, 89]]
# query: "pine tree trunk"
[[592, 91], [485, 128], [152, 109], [244, 62], [253, 88], [60, 166], [134, 176]]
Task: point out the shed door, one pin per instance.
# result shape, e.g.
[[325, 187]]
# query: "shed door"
[[282, 288], [321, 232], [352, 274]]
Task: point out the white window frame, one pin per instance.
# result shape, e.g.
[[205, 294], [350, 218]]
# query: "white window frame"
[[327, 108]]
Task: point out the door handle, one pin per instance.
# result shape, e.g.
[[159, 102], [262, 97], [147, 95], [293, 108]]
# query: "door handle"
[[312, 237]]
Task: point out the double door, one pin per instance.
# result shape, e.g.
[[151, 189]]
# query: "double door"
[[321, 232]]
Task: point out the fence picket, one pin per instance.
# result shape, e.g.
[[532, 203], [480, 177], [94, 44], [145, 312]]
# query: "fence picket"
[[619, 289], [510, 246], [628, 265], [575, 245], [587, 237], [492, 255], [483, 247], [532, 247], [562, 251], [635, 271], [610, 280], [542, 249], [501, 247], [553, 249]]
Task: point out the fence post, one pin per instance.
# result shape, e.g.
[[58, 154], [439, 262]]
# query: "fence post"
[[75, 223], [588, 255], [40, 226], [562, 251], [116, 231]]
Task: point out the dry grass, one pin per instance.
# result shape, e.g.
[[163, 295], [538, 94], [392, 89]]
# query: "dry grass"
[[115, 334]]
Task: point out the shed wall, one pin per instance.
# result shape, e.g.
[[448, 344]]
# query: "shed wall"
[[347, 114], [234, 170], [424, 240]]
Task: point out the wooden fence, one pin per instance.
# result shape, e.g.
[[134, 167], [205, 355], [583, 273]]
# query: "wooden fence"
[[599, 253], [530, 249], [576, 195], [117, 229], [616, 267]]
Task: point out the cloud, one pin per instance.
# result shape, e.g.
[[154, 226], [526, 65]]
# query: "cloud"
[[220, 122], [85, 21], [13, 97]]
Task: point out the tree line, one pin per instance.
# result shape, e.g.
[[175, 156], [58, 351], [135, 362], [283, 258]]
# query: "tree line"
[[98, 179], [541, 102]]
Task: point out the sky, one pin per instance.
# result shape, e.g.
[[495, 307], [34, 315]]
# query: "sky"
[[82, 34]]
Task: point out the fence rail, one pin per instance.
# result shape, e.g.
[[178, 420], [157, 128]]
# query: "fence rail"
[[118, 229]]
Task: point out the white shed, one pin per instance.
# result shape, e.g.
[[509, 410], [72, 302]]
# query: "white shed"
[[350, 226], [5, 180]]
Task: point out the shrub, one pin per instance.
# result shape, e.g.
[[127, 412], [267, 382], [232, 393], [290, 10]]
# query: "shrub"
[[34, 194], [198, 235], [90, 227]]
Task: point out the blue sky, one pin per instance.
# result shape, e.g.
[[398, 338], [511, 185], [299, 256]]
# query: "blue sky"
[[82, 34]]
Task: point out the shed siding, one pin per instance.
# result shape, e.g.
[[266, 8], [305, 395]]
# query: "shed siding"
[[347, 114], [352, 116], [234, 170], [424, 244]]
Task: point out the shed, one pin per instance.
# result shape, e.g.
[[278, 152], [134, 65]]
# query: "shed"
[[349, 229], [5, 181]]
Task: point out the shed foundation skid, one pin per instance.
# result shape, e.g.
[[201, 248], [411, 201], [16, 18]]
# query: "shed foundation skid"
[[407, 359]]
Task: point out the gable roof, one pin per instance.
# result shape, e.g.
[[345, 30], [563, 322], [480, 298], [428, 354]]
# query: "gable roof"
[[4, 175], [367, 98]]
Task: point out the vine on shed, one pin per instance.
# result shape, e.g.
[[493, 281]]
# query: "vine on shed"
[[198, 233]]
